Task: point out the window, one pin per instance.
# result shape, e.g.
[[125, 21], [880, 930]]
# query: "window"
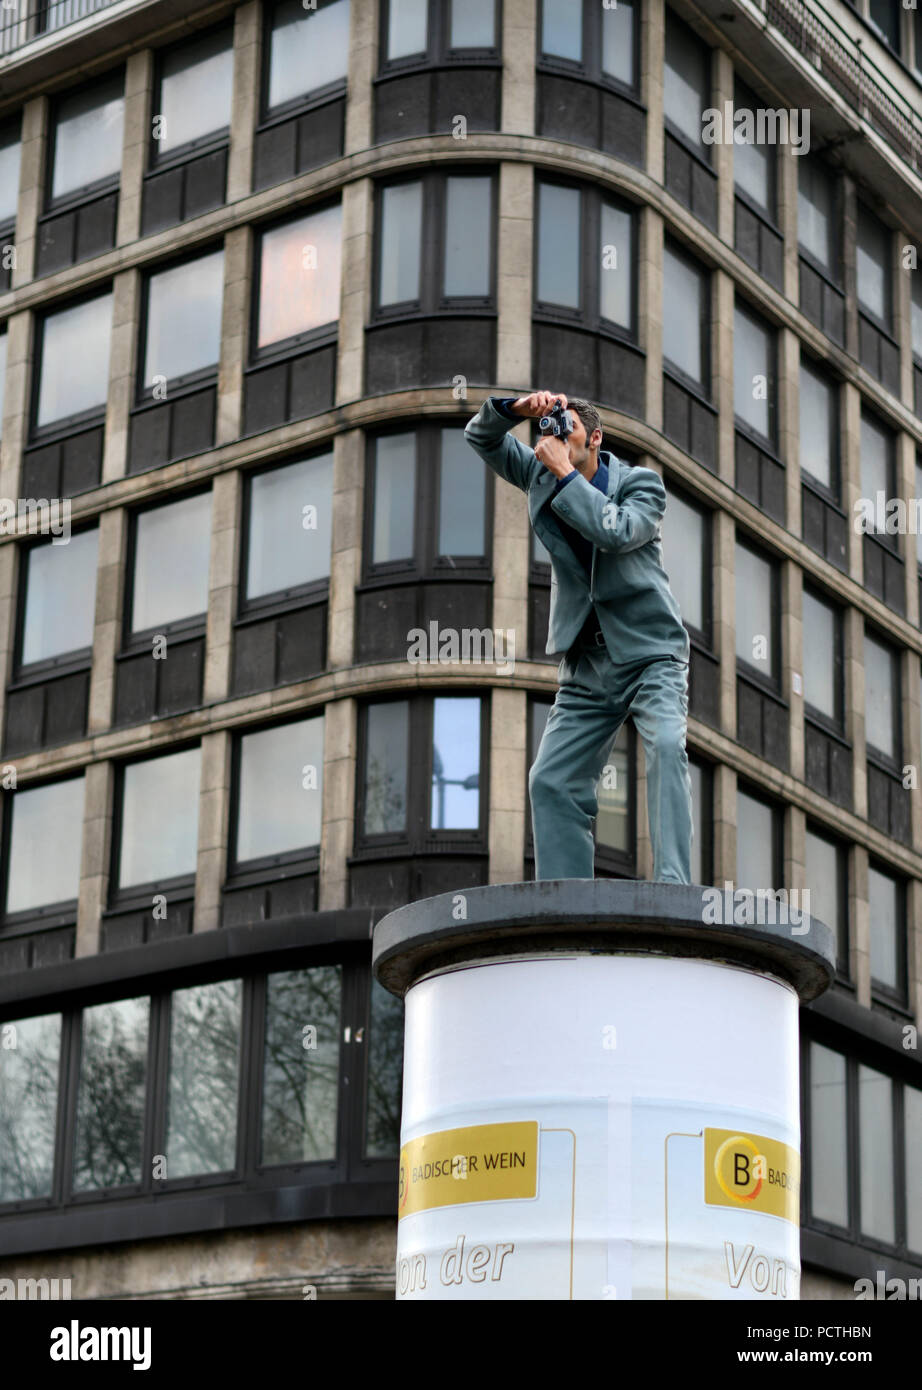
[[823, 666], [182, 338], [825, 876], [462, 507], [29, 1108], [754, 373], [192, 102], [881, 699], [44, 845], [386, 756], [407, 28], [758, 859], [418, 269], [875, 1150], [289, 527], [394, 494], [754, 162], [686, 84], [10, 151], [757, 635], [686, 555], [915, 310], [59, 583], [686, 313], [829, 1146], [385, 1074], [417, 31], [435, 516], [300, 1082], [873, 268], [2, 374], [878, 481], [919, 498], [172, 545], [885, 17], [201, 1132], [585, 257], [307, 49], [455, 799], [816, 214], [158, 832], [87, 138], [73, 373], [912, 1114], [819, 427], [701, 866], [600, 39], [887, 944], [299, 277], [111, 1091], [280, 790]]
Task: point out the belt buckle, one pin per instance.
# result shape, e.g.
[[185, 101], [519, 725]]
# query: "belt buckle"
[[598, 638]]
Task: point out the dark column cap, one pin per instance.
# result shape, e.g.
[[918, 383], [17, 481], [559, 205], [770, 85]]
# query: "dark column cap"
[[602, 915]]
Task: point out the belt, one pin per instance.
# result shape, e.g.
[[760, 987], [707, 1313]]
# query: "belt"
[[590, 634]]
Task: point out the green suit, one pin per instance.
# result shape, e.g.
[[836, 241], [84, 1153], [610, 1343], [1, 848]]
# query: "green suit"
[[625, 651]]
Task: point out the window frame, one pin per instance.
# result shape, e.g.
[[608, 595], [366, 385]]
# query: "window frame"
[[284, 110], [884, 761], [589, 67], [703, 391], [836, 723], [768, 442], [66, 424], [884, 325], [79, 658], [84, 193], [321, 336], [268, 865], [703, 636], [842, 928], [438, 53], [705, 160], [132, 641], [894, 996], [296, 595], [770, 684], [818, 368], [776, 810], [11, 134], [831, 275], [122, 897], [588, 316], [48, 915], [753, 102], [200, 144], [188, 381]]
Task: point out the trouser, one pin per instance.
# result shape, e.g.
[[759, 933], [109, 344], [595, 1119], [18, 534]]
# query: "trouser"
[[593, 700]]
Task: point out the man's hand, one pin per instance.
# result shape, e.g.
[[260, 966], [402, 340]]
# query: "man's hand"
[[554, 454], [537, 404]]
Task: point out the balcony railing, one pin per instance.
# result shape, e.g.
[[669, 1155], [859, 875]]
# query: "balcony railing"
[[841, 60], [21, 21]]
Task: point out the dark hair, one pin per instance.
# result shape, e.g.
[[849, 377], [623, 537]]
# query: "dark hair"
[[587, 413]]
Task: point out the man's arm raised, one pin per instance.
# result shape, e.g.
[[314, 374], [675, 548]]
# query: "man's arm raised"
[[488, 435]]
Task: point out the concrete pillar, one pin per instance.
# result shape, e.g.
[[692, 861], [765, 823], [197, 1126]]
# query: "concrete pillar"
[[235, 323], [650, 298], [226, 508], [724, 542], [123, 367], [515, 240], [346, 555], [788, 182], [508, 785], [95, 860], [795, 868], [722, 91], [363, 62], [107, 622], [355, 295], [246, 98], [35, 118], [520, 44], [652, 49], [854, 706], [724, 824], [213, 822], [337, 832], [139, 81], [722, 302], [14, 427], [792, 661]]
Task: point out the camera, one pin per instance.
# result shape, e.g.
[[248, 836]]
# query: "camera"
[[557, 421]]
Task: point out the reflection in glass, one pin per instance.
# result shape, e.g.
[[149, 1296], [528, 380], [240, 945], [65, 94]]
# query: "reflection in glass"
[[753, 373], [159, 836], [202, 1099], [683, 319], [172, 549], [879, 713], [558, 245], [195, 90], [872, 256], [683, 557], [613, 823], [394, 498], [472, 24], [754, 621], [821, 674], [828, 1137], [462, 498], [686, 81], [468, 229], [407, 27], [817, 426], [401, 242], [299, 279], [753, 162], [455, 801], [883, 913], [301, 1068], [281, 789], [308, 48], [60, 597], [386, 768], [816, 211], [876, 467], [385, 1074], [110, 1094], [290, 526], [45, 844], [88, 137], [74, 374], [617, 266], [755, 844], [29, 1106], [562, 29], [184, 319], [823, 878], [875, 1144], [618, 41]]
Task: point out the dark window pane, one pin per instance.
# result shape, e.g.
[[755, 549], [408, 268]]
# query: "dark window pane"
[[613, 823], [885, 14], [385, 1074], [290, 526], [301, 1065], [281, 785], [45, 842], [683, 335], [683, 539], [308, 48], [88, 137], [462, 498], [111, 1094], [817, 422], [873, 265], [879, 711], [75, 360], [395, 493], [752, 372], [202, 1105], [468, 231], [755, 866], [617, 262], [401, 240], [819, 625], [10, 149], [386, 768], [172, 547], [828, 1137], [816, 211], [754, 621], [300, 276], [195, 90], [28, 1107], [407, 27], [159, 836], [562, 29], [618, 41], [60, 585], [558, 245], [913, 1113], [455, 764], [883, 903], [184, 319], [875, 1128], [473, 24], [686, 81]]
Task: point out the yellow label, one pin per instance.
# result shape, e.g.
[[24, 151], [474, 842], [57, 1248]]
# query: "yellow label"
[[481, 1163], [751, 1172]]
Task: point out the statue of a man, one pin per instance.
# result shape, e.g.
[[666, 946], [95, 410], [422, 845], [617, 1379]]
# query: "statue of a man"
[[614, 618]]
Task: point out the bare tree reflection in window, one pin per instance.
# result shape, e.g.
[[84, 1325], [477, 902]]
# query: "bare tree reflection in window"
[[386, 768], [301, 1069], [28, 1106], [110, 1096], [204, 1066], [385, 1074]]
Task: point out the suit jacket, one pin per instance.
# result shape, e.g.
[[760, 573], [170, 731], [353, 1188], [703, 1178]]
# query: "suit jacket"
[[629, 588]]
